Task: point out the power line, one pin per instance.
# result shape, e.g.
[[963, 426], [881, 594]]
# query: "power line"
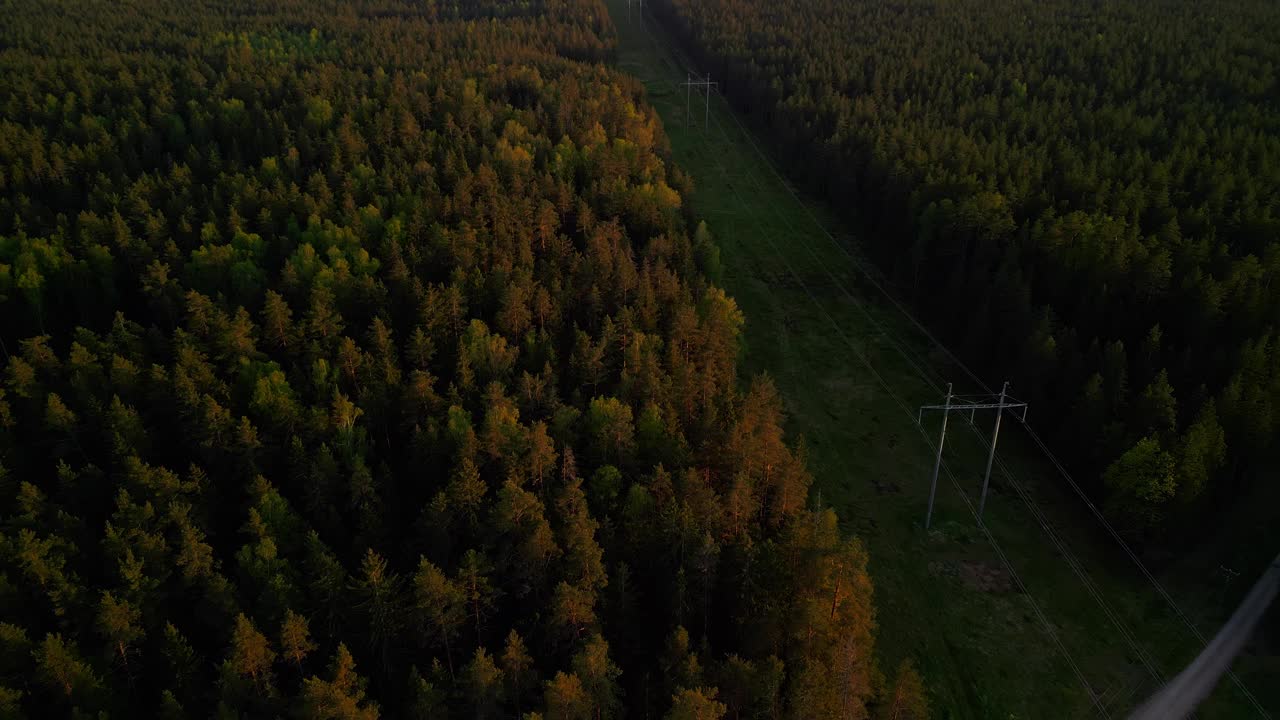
[[939, 463], [1194, 684], [937, 343], [991, 538], [854, 259], [1075, 565], [1048, 626], [1058, 542], [1235, 679], [869, 276], [1093, 696], [924, 371]]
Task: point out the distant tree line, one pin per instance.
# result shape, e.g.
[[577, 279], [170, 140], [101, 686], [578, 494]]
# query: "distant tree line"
[[359, 359], [1083, 197]]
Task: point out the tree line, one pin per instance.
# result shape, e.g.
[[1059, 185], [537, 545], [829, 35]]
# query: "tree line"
[[360, 359], [1081, 197]]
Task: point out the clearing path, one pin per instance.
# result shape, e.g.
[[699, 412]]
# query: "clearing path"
[[996, 635]]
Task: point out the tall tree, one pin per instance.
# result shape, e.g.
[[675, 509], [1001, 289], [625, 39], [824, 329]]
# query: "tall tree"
[[440, 604], [295, 639], [342, 697], [905, 699], [250, 654]]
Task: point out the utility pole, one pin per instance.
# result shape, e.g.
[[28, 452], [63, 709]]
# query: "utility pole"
[[706, 117], [706, 85], [952, 403], [991, 456], [937, 462]]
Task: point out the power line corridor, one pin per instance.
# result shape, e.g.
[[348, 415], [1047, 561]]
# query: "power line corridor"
[[926, 374]]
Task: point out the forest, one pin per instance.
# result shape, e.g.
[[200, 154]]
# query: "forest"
[[363, 359], [1081, 197]]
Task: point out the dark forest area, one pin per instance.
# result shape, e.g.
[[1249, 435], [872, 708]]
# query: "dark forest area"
[[359, 359], [1082, 197]]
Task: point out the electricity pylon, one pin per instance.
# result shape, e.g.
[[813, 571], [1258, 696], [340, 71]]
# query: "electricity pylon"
[[688, 90], [952, 404]]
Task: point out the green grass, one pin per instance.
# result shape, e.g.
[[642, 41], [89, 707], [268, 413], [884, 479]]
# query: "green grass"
[[982, 648]]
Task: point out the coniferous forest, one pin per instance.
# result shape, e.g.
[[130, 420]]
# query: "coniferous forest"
[[1082, 197], [360, 360]]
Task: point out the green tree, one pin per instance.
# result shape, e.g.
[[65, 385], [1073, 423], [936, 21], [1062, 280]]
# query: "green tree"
[[483, 682], [1157, 411], [680, 664], [379, 595], [121, 624], [11, 704], [473, 579], [466, 491], [59, 667], [277, 322], [610, 424], [1139, 485], [426, 701], [599, 677], [518, 669], [1201, 453], [440, 606], [180, 657]]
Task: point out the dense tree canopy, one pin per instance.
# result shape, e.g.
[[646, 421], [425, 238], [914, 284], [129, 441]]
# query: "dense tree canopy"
[[1084, 196], [359, 361]]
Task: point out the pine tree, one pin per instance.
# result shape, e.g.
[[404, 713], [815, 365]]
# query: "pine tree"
[[599, 676], [339, 698], [1201, 453], [680, 665], [906, 698], [59, 667], [251, 654], [565, 698], [120, 623], [698, 704], [277, 321], [440, 606], [181, 659], [517, 669], [573, 610], [379, 597], [425, 700], [483, 682], [295, 638], [473, 579]]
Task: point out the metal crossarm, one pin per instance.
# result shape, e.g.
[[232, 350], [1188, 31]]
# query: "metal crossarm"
[[974, 406]]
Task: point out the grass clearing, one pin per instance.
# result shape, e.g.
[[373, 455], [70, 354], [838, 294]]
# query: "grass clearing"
[[943, 596]]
